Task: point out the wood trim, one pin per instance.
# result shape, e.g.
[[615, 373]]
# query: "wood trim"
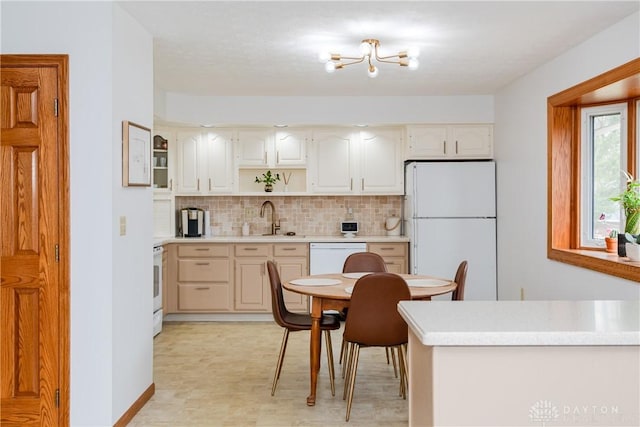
[[137, 405], [563, 168]]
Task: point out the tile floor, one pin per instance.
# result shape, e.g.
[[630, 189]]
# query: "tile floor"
[[220, 373]]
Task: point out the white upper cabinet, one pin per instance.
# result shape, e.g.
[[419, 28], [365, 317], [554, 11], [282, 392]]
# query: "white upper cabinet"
[[450, 141], [352, 162], [218, 161], [205, 162], [188, 168], [291, 147], [264, 148], [254, 147], [381, 162], [332, 165]]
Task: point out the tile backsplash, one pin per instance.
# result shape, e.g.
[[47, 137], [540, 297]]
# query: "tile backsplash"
[[305, 215]]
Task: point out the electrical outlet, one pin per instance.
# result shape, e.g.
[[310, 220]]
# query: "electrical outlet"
[[521, 294], [123, 225]]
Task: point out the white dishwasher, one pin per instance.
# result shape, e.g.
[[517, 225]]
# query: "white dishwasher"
[[327, 258]]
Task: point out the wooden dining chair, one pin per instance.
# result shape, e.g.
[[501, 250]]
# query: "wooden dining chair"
[[292, 322], [361, 262], [374, 321], [460, 279], [364, 262]]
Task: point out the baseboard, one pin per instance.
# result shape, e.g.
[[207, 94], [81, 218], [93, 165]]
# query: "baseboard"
[[135, 408]]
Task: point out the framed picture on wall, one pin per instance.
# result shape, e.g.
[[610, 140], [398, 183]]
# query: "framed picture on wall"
[[136, 155]]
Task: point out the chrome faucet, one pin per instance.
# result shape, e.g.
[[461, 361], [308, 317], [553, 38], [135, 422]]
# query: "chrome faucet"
[[275, 224]]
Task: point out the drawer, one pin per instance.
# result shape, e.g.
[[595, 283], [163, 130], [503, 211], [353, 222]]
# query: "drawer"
[[204, 297], [204, 270], [252, 250], [203, 250], [388, 249], [290, 249]]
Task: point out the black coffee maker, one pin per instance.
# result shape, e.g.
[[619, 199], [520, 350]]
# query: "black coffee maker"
[[191, 222]]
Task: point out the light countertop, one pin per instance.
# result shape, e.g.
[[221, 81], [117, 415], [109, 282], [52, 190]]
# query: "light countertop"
[[281, 239], [523, 323]]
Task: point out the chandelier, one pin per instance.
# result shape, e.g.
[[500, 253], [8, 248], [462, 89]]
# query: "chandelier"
[[369, 51]]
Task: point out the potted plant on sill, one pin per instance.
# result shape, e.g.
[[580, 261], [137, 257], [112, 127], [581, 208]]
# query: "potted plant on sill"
[[268, 179], [629, 199], [612, 241]]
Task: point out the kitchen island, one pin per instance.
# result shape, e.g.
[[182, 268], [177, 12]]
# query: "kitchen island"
[[508, 363]]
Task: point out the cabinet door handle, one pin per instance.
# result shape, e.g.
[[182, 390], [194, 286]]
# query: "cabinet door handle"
[[198, 184], [444, 147], [456, 146], [362, 185], [351, 185], [202, 263], [203, 288], [264, 160], [288, 249], [202, 249], [386, 249], [209, 184], [250, 249], [171, 184], [278, 156]]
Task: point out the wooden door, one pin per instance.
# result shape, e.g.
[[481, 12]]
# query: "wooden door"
[[33, 238]]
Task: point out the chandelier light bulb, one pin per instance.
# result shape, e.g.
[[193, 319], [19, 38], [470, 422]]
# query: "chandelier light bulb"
[[413, 52], [373, 71], [330, 67], [365, 49], [414, 63], [324, 56]]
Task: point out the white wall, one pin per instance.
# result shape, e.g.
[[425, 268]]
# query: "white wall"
[[521, 150], [99, 257], [132, 254], [327, 110]]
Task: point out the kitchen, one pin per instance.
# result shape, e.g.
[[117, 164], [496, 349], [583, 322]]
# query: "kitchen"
[[102, 291]]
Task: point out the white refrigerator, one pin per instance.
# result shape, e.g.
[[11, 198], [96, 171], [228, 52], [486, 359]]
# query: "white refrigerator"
[[450, 216]]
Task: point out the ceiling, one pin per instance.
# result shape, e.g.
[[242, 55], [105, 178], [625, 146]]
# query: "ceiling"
[[265, 48]]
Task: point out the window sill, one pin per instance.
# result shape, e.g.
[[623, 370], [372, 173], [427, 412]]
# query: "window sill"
[[600, 261]]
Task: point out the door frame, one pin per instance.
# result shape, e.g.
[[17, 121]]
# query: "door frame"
[[61, 64]]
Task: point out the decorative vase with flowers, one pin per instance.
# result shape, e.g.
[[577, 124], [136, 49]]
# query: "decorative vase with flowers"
[[629, 199], [268, 179]]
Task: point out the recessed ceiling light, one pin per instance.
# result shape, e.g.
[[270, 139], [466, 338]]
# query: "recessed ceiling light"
[[207, 126], [280, 126], [361, 126]]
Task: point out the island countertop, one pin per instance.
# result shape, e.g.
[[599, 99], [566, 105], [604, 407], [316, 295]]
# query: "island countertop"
[[523, 323]]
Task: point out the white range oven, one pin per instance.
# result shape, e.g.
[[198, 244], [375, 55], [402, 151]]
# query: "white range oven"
[[157, 289]]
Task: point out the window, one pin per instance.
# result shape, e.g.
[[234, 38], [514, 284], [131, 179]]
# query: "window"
[[604, 157], [565, 172]]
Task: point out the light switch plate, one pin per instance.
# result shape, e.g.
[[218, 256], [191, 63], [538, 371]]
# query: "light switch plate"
[[123, 225]]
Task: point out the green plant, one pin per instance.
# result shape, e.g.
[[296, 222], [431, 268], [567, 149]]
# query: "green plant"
[[268, 178], [630, 202], [613, 234], [631, 239]]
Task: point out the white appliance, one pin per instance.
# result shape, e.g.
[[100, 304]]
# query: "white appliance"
[[329, 257], [450, 216], [157, 289]]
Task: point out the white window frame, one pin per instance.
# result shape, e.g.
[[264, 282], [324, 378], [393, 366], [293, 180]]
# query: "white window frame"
[[586, 182]]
